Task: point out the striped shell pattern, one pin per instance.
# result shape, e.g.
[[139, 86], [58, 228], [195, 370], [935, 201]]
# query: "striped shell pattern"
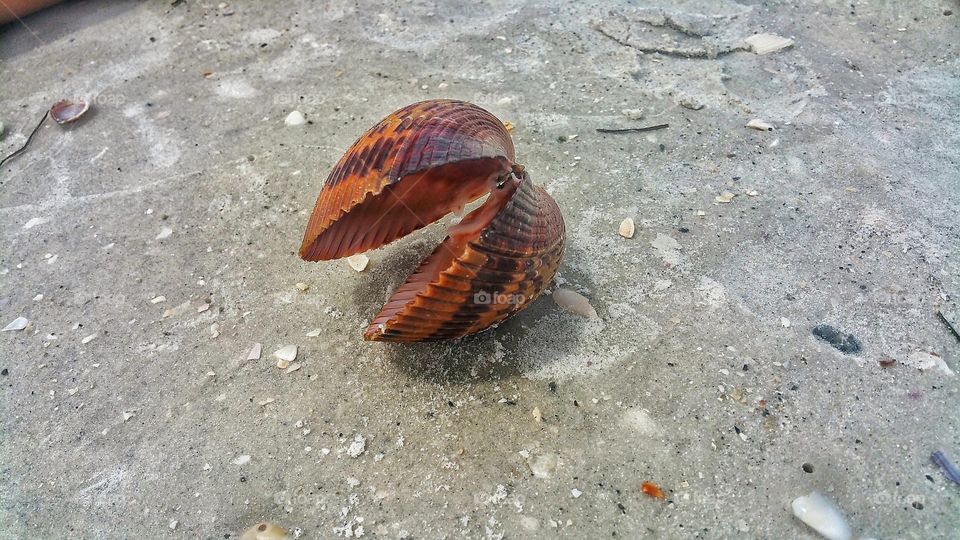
[[412, 168]]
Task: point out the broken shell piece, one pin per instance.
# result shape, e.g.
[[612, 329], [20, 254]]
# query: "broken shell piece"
[[303, 287], [295, 118], [88, 339], [725, 197], [508, 126], [358, 262], [66, 111], [822, 515], [266, 531], [313, 333], [287, 353], [574, 302], [254, 353], [17, 324], [760, 125], [627, 228], [767, 43], [283, 364]]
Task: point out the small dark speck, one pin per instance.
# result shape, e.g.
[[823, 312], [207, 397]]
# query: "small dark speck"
[[807, 467], [575, 404], [746, 367], [622, 508], [152, 39], [262, 45], [918, 505], [662, 147], [251, 158], [683, 230], [930, 478], [737, 429], [509, 402], [243, 478], [552, 386], [4, 372]]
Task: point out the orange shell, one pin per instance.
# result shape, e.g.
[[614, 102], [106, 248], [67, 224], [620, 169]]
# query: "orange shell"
[[409, 170], [476, 280]]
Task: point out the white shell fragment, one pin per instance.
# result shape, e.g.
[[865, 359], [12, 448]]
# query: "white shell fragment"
[[164, 233], [266, 531], [287, 353], [254, 353], [295, 118], [66, 111], [574, 302], [313, 333], [88, 339], [822, 515], [760, 125], [725, 197], [627, 228], [358, 262], [15, 325], [767, 43], [924, 361]]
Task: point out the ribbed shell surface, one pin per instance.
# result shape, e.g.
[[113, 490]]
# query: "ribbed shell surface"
[[498, 273], [440, 141]]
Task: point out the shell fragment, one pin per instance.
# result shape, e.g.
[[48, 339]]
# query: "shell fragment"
[[358, 262], [627, 228], [822, 515], [17, 324], [760, 125], [574, 302], [767, 43]]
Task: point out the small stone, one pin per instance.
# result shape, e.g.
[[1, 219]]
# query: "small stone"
[[88, 339], [164, 233], [38, 298], [241, 460], [752, 193], [158, 299], [313, 333], [633, 114], [255, 351], [265, 402], [129, 414], [203, 307], [537, 415], [576, 493], [691, 103], [357, 447], [16, 325], [785, 322], [627, 228], [295, 118], [303, 287], [847, 344], [173, 524]]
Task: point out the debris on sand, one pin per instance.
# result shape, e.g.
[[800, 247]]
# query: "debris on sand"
[[822, 515], [949, 469], [653, 490], [924, 361], [295, 118], [760, 125], [574, 302], [266, 531], [845, 343], [627, 228], [66, 111], [767, 43], [254, 353], [358, 262], [951, 317], [357, 447], [16, 325], [724, 197]]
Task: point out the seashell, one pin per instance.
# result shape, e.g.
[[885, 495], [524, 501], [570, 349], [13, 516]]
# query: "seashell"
[[66, 111], [627, 228], [822, 515], [266, 531], [419, 164]]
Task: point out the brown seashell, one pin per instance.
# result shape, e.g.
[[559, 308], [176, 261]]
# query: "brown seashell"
[[411, 169], [66, 111]]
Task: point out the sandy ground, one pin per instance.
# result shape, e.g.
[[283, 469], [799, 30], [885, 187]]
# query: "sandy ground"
[[702, 374]]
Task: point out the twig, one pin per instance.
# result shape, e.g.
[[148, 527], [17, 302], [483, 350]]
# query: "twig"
[[29, 138], [633, 130]]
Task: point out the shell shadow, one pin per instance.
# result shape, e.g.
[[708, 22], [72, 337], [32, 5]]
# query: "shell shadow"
[[497, 353]]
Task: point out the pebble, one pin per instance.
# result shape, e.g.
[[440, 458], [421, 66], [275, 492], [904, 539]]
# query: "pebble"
[[164, 233], [295, 118], [785, 322], [633, 114], [241, 459], [15, 325], [847, 344], [173, 524], [303, 287], [576, 493], [627, 228], [255, 351]]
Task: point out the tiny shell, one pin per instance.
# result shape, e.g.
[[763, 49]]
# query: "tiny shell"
[[66, 111], [725, 197], [760, 125], [287, 353], [767, 43], [822, 515], [574, 302], [17, 324], [627, 228], [358, 262], [265, 531]]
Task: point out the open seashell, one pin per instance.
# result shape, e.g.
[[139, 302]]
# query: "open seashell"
[[66, 111], [415, 166]]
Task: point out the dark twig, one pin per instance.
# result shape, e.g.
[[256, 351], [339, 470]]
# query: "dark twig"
[[633, 130], [950, 324], [29, 138]]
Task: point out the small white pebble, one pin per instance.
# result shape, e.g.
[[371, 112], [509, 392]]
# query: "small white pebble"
[[576, 493], [295, 118]]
